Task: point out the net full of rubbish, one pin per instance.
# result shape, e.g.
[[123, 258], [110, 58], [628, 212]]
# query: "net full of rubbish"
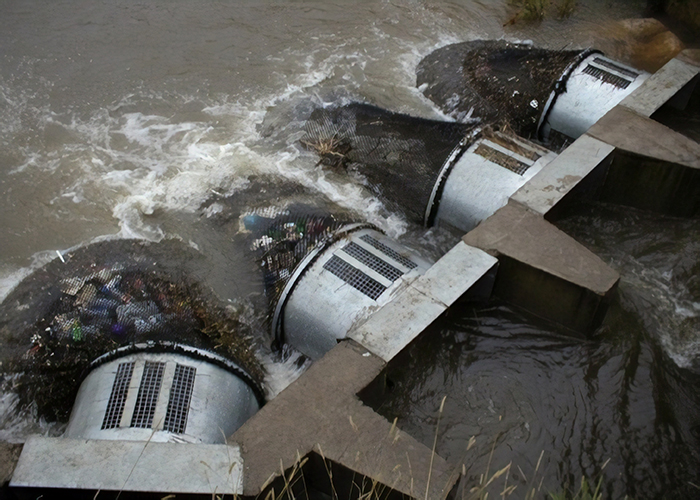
[[114, 306], [498, 81], [283, 238], [397, 156]]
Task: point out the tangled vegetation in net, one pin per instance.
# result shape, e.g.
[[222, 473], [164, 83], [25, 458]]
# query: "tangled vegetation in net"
[[112, 307]]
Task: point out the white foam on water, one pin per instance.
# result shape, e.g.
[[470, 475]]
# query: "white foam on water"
[[17, 424], [675, 318], [281, 373], [11, 277]]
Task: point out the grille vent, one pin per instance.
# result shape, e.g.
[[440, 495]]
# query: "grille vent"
[[120, 387], [179, 402], [502, 159], [148, 394], [389, 252], [607, 77], [354, 277], [372, 261], [616, 67]]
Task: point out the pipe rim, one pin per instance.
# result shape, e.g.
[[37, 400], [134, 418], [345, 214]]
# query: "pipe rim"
[[560, 88], [302, 267], [164, 347]]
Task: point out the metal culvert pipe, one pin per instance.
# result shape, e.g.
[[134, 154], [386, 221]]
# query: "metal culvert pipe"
[[587, 90], [433, 171], [340, 285], [534, 91], [480, 176], [325, 273], [163, 392]]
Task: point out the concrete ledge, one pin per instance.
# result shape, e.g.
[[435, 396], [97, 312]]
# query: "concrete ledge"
[[129, 466], [399, 322], [9, 455], [564, 174], [627, 130], [690, 56], [653, 167], [332, 423], [329, 420], [663, 85], [545, 271], [395, 325]]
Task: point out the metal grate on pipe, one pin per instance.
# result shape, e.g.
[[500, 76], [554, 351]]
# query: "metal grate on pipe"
[[502, 159], [606, 77], [389, 252], [120, 388], [372, 261], [180, 396], [616, 67], [354, 277], [147, 397]]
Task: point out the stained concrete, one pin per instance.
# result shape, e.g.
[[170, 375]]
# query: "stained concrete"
[[560, 177], [625, 158], [628, 157], [330, 420], [664, 84], [332, 423], [128, 466], [690, 56], [624, 129], [653, 167], [541, 269], [545, 271], [9, 454], [390, 329]]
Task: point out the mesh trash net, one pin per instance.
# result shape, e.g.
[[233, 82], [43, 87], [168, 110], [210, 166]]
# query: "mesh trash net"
[[110, 307], [282, 238], [398, 157], [499, 82]]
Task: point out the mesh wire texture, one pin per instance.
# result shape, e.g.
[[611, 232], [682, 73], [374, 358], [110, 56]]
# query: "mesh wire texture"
[[399, 157], [494, 80], [281, 241]]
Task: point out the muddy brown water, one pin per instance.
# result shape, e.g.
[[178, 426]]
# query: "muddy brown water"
[[167, 120]]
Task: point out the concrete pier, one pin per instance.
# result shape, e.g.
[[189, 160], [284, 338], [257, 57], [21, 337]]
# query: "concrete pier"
[[320, 414], [318, 428], [545, 271]]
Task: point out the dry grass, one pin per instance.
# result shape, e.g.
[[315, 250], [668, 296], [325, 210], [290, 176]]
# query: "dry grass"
[[332, 150], [584, 492], [533, 10], [291, 483]]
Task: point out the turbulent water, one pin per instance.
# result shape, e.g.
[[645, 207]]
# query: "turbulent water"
[[167, 120], [622, 408]]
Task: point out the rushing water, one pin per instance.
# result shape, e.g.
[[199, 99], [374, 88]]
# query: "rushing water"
[[167, 120], [622, 407]]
